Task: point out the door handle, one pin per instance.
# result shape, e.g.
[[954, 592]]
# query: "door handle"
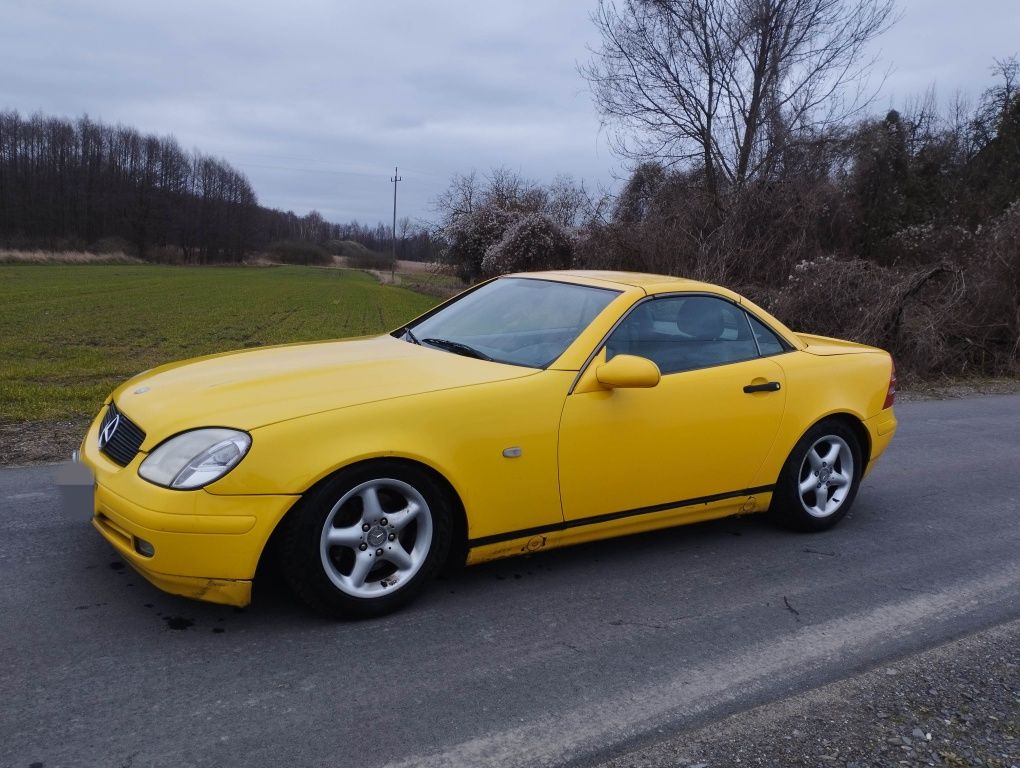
[[769, 386]]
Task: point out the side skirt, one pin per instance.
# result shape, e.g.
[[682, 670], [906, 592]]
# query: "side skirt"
[[614, 524]]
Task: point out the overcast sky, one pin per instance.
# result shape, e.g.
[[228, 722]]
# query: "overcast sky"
[[317, 100]]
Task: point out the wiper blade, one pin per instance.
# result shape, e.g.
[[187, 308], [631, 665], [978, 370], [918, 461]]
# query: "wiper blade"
[[458, 348], [410, 335]]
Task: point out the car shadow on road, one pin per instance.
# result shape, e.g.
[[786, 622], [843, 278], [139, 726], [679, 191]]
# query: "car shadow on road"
[[572, 575], [642, 552]]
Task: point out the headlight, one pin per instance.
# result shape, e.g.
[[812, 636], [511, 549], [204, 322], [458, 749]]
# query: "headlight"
[[196, 458]]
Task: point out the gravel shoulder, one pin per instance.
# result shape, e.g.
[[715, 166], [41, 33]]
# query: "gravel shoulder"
[[955, 705]]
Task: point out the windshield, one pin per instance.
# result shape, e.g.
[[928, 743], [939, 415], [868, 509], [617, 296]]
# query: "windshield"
[[513, 320]]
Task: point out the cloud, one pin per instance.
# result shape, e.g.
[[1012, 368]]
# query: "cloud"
[[317, 100]]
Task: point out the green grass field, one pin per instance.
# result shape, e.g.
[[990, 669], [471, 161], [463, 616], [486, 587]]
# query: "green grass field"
[[70, 333]]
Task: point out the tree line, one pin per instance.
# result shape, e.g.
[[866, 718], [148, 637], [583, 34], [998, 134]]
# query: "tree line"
[[69, 185], [85, 185]]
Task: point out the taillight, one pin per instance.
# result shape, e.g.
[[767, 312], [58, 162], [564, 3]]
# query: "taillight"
[[891, 394]]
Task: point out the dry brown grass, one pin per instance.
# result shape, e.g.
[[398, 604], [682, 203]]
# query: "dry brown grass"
[[65, 257]]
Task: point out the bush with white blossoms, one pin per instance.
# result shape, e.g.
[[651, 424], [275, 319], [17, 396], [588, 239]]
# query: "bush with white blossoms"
[[472, 235], [532, 242]]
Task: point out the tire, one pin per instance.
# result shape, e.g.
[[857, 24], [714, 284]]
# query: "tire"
[[819, 481], [368, 540]]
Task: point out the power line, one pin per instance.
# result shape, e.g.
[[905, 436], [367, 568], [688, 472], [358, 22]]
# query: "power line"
[[329, 171]]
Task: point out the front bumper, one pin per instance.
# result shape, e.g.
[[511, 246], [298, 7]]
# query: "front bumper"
[[204, 546]]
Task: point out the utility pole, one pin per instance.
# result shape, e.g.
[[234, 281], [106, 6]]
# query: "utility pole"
[[393, 180]]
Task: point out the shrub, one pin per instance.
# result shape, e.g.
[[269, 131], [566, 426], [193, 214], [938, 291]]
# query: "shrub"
[[990, 331], [165, 254], [371, 260], [533, 242], [359, 256], [905, 311], [113, 246], [472, 235], [296, 252]]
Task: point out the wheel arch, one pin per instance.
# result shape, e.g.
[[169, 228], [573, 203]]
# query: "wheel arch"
[[458, 547], [854, 424], [785, 445], [786, 506]]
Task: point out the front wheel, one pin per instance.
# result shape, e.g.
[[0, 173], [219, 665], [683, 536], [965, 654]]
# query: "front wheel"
[[819, 481], [368, 540]]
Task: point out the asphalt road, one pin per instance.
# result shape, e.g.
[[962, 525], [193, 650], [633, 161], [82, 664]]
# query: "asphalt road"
[[566, 657]]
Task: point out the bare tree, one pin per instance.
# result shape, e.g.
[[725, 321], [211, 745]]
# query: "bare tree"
[[729, 85], [996, 101], [459, 199]]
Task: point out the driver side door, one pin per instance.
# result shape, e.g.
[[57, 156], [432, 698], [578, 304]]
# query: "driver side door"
[[696, 438]]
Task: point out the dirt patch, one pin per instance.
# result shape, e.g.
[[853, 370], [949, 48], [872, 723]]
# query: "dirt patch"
[[37, 442], [384, 277], [950, 389], [416, 266]]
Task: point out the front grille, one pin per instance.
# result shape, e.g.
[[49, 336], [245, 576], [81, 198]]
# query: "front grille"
[[122, 440]]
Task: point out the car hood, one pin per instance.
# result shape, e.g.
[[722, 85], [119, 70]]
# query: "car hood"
[[253, 388]]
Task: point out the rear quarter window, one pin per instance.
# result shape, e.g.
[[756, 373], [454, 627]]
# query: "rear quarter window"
[[768, 342]]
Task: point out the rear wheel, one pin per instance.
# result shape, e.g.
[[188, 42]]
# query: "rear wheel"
[[368, 540], [819, 481]]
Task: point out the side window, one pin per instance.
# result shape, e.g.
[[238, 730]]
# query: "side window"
[[681, 333], [768, 342]]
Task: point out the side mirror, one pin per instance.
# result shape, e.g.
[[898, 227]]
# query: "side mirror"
[[628, 371]]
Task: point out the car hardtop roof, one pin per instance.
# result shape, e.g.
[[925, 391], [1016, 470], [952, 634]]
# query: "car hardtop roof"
[[652, 285], [647, 282]]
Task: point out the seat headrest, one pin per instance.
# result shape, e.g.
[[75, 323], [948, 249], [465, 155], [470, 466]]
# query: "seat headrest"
[[640, 323], [701, 318]]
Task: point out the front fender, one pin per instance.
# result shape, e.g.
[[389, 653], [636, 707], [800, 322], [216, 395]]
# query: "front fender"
[[460, 433]]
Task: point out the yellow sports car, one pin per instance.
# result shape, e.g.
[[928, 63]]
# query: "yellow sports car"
[[532, 411]]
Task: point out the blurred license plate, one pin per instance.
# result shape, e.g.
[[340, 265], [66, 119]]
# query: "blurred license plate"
[[77, 491]]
